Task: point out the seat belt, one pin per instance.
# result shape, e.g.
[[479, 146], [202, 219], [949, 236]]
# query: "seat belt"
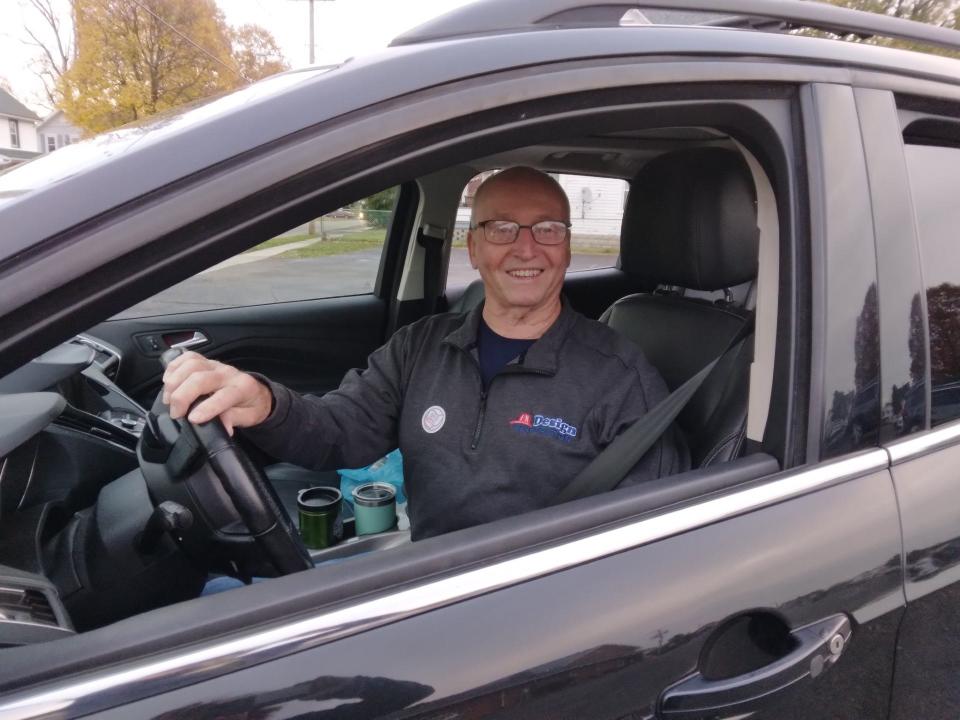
[[433, 248], [610, 467]]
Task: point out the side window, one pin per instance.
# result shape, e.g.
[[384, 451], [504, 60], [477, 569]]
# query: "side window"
[[934, 178], [596, 210], [335, 255]]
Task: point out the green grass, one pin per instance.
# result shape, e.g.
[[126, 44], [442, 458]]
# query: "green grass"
[[353, 242]]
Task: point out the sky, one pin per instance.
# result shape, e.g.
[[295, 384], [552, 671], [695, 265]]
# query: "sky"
[[344, 28]]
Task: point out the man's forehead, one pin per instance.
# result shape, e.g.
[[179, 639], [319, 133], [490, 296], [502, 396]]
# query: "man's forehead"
[[512, 194]]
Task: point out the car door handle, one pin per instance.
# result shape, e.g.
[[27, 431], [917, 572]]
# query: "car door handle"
[[818, 646], [198, 338]]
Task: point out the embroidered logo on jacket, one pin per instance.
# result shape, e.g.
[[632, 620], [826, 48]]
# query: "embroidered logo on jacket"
[[542, 425]]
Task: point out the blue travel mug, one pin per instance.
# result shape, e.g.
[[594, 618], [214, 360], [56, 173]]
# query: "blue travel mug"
[[374, 508]]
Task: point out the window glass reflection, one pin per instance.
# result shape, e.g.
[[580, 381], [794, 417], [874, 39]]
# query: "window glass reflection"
[[934, 178]]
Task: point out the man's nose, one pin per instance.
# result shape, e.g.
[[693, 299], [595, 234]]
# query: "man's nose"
[[525, 245]]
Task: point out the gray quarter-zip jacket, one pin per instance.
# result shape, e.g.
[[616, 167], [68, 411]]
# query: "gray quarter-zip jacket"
[[472, 455]]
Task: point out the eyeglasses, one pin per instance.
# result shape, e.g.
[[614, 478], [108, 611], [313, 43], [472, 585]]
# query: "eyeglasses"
[[504, 232]]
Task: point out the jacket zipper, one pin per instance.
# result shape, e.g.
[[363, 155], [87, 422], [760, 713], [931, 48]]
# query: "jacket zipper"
[[483, 395], [483, 409]]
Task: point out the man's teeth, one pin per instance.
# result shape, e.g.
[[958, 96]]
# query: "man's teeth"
[[525, 273]]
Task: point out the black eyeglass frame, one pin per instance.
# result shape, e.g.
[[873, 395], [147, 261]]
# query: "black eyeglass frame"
[[483, 226]]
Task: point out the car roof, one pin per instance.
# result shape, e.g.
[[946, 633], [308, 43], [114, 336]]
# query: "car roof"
[[500, 16], [56, 192]]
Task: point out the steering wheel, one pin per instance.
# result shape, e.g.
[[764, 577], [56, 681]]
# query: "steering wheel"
[[200, 467]]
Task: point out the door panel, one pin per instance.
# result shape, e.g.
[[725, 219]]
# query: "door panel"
[[928, 660], [604, 639], [306, 345]]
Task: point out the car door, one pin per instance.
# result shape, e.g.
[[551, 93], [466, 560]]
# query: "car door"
[[917, 152], [738, 589]]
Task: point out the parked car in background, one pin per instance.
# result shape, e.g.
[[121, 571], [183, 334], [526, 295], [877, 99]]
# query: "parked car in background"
[[796, 193]]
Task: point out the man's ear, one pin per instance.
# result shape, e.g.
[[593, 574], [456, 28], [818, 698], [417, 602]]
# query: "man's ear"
[[471, 249]]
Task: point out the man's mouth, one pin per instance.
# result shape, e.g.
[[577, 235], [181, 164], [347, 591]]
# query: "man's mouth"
[[526, 273]]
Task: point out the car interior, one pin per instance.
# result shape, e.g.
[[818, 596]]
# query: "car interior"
[[109, 509]]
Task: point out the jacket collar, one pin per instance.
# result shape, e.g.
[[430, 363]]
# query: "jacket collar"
[[542, 356]]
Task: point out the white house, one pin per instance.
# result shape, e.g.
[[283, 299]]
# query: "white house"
[[596, 208], [18, 131], [55, 131], [596, 204]]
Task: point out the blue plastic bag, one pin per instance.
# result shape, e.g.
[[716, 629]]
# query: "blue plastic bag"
[[388, 469]]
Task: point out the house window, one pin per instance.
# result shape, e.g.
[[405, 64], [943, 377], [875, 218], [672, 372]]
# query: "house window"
[[51, 143], [14, 134]]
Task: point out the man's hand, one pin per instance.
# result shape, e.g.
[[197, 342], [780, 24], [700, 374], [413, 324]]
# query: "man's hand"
[[239, 399]]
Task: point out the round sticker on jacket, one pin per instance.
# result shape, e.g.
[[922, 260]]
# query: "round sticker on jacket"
[[433, 418]]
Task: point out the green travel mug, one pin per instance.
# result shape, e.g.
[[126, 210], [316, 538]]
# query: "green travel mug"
[[318, 508], [374, 508]]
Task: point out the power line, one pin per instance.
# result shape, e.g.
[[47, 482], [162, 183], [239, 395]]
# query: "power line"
[[236, 71]]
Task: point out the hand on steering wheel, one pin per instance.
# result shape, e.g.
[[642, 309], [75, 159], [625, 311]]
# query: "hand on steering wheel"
[[236, 397], [207, 392]]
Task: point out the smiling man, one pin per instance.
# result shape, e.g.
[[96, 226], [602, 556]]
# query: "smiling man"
[[495, 411]]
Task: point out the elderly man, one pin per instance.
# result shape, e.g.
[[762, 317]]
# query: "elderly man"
[[494, 410]]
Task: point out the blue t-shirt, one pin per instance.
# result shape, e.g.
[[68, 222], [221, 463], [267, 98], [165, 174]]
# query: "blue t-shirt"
[[495, 351]]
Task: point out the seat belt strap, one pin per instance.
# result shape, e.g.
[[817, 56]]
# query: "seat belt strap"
[[611, 466], [433, 249]]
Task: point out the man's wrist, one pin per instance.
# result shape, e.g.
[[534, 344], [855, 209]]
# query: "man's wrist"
[[276, 409], [267, 401]]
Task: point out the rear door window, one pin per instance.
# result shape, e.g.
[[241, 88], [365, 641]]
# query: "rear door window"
[[934, 178]]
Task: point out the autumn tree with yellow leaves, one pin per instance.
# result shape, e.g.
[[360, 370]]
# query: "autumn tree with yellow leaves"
[[136, 58]]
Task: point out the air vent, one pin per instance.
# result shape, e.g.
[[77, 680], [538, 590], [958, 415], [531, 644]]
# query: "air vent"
[[26, 606]]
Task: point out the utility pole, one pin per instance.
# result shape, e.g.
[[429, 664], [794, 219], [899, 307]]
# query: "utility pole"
[[312, 43], [312, 226]]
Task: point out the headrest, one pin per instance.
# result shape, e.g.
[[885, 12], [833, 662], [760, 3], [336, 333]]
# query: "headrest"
[[691, 220]]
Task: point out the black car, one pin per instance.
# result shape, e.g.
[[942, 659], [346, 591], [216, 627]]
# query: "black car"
[[731, 180]]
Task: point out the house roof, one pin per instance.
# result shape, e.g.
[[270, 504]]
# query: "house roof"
[[19, 154], [55, 115], [12, 107]]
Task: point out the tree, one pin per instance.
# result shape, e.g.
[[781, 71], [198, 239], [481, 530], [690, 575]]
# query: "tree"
[[943, 311], [917, 341], [378, 207], [136, 58], [56, 46], [256, 53], [944, 13], [866, 343]]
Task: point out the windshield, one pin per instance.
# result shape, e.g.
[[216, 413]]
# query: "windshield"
[[81, 156]]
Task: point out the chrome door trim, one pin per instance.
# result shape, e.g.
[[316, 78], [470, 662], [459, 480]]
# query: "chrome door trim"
[[918, 445], [103, 689]]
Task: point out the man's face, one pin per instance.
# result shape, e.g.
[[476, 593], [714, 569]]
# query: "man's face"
[[524, 274]]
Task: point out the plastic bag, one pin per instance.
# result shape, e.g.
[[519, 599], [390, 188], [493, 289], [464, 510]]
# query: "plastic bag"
[[388, 469]]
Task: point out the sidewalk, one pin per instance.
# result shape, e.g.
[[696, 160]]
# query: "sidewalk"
[[255, 255]]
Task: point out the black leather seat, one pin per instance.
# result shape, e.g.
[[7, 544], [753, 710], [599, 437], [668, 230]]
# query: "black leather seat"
[[691, 222]]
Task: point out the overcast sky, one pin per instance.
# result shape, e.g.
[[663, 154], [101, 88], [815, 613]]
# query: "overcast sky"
[[344, 28]]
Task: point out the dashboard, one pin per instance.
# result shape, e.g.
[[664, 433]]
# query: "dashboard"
[[66, 431]]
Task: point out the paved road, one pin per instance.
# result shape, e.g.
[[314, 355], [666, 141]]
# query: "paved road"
[[259, 277]]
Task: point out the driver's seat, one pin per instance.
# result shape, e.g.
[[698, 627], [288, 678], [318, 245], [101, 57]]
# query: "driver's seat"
[[690, 223]]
